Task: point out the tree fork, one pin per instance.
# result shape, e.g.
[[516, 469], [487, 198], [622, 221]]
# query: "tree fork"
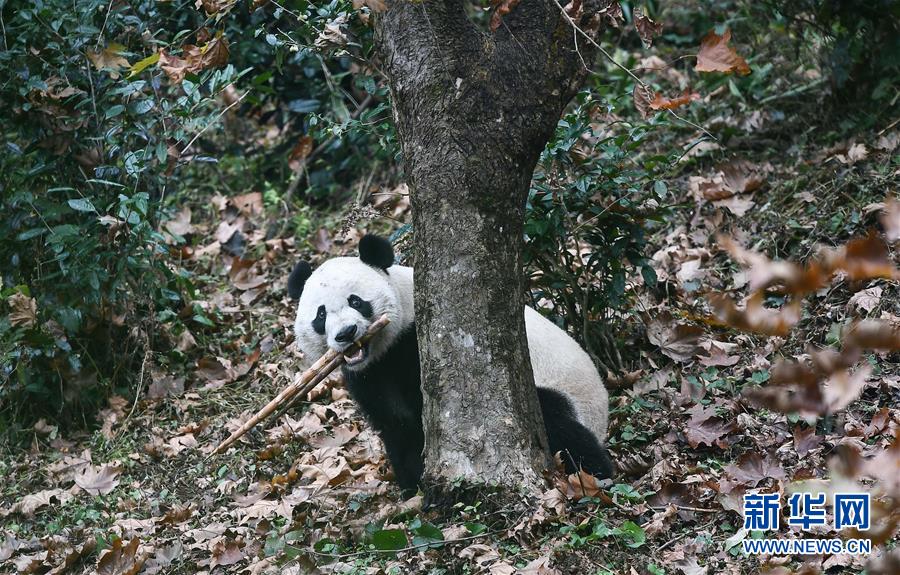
[[474, 110]]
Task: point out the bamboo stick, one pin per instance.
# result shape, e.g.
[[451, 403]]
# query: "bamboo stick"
[[304, 383]]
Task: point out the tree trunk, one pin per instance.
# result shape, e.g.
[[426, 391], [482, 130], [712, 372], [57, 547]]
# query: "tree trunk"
[[474, 110]]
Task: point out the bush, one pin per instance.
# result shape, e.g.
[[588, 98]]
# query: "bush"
[[859, 41], [586, 221]]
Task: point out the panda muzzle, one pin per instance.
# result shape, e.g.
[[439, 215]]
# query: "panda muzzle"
[[357, 356]]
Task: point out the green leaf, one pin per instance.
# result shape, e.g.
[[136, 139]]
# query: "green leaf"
[[28, 234], [634, 532], [649, 275], [114, 111], [389, 539], [660, 188], [142, 65], [426, 534], [81, 205]]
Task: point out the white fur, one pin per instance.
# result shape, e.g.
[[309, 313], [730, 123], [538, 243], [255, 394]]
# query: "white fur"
[[557, 360]]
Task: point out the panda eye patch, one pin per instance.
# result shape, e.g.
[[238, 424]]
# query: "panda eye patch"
[[318, 324], [360, 305]]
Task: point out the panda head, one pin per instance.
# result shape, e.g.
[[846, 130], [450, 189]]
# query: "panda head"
[[341, 298]]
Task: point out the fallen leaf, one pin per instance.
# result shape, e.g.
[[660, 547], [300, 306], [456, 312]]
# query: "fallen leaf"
[[540, 566], [249, 204], [676, 340], [742, 177], [717, 56], [754, 316], [867, 299], [297, 156], [31, 503], [121, 560], [180, 225], [227, 552], [752, 468], [214, 6], [705, 427], [98, 480]]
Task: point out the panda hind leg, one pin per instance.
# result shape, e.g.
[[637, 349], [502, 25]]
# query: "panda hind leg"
[[578, 447]]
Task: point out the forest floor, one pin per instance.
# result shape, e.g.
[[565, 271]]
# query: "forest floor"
[[310, 491]]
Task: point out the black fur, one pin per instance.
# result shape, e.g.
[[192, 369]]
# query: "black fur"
[[318, 323], [389, 393], [578, 447], [297, 279], [376, 251], [360, 305]]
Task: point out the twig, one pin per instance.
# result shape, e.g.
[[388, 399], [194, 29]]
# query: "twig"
[[698, 126], [596, 45], [620, 66], [219, 117], [889, 126], [304, 383]]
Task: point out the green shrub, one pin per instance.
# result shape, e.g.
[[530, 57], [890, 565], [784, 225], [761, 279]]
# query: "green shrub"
[[586, 220], [858, 41], [89, 148]]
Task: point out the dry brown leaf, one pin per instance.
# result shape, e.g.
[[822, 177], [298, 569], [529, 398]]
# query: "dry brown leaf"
[[751, 469], [647, 29], [843, 388], [501, 9], [110, 59], [227, 552], [121, 560], [214, 6], [180, 225], [98, 480], [642, 96], [873, 334], [297, 156], [8, 545], [717, 56], [742, 177], [660, 102], [249, 204], [866, 300], [540, 566], [31, 503], [805, 440], [755, 317], [578, 485], [680, 342], [194, 59], [23, 310], [705, 427], [373, 5]]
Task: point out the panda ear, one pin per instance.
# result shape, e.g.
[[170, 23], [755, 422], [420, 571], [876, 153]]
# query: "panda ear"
[[297, 279], [376, 251]]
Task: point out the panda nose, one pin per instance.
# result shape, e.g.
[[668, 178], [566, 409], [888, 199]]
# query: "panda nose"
[[346, 335]]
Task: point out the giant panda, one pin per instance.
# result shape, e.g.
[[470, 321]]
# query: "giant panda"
[[339, 300]]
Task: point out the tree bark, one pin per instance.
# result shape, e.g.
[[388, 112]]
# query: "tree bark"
[[474, 110]]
